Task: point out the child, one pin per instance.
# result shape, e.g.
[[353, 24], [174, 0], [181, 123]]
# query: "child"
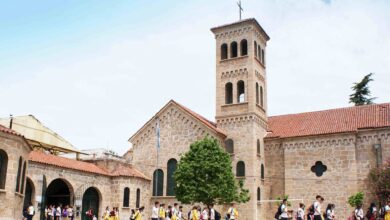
[[301, 212]]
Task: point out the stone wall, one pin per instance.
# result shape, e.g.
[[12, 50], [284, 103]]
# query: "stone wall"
[[11, 202]]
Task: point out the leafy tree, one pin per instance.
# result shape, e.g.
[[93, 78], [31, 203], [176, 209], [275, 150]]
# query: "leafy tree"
[[281, 198], [361, 95], [379, 180], [356, 199], [204, 175]]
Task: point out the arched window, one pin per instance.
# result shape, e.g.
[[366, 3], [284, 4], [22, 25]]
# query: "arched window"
[[233, 49], [224, 51], [261, 97], [240, 169], [258, 147], [257, 93], [138, 198], [262, 172], [258, 194], [126, 197], [244, 47], [229, 146], [18, 176], [262, 56], [255, 46], [158, 182], [228, 93], [172, 164], [23, 177], [3, 168], [240, 91], [259, 52]]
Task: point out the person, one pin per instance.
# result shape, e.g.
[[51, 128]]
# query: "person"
[[205, 213], [232, 212], [168, 214], [284, 210], [329, 213], [112, 214], [212, 212], [161, 214], [58, 212], [116, 213], [301, 212], [180, 213], [317, 207], [65, 213], [359, 215], [194, 214], [89, 214], [30, 211], [387, 211], [175, 209], [155, 209], [371, 213]]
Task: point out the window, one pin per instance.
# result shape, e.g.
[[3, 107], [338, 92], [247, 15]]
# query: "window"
[[18, 176], [229, 146], [229, 93], [255, 49], [23, 177], [240, 91], [3, 168], [319, 168], [261, 97], [259, 52], [172, 164], [240, 169], [257, 93], [262, 56], [138, 198], [224, 51], [244, 47], [258, 147], [126, 197], [262, 172], [158, 182], [233, 49], [258, 194]]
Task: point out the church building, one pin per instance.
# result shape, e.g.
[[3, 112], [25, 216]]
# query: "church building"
[[327, 152]]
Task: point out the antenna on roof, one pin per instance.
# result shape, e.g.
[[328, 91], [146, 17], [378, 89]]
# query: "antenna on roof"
[[10, 121]]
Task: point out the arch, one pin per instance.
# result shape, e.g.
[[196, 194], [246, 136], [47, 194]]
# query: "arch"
[[262, 56], [91, 200], [138, 198], [3, 168], [224, 51], [29, 194], [228, 93], [240, 91], [258, 147], [158, 182], [257, 93], [17, 189], [240, 169], [258, 194], [261, 97], [244, 47], [229, 146], [255, 48], [59, 191], [171, 165], [126, 197], [233, 49], [262, 172], [23, 177]]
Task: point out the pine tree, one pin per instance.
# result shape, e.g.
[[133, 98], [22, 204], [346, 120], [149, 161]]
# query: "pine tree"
[[204, 175], [361, 95]]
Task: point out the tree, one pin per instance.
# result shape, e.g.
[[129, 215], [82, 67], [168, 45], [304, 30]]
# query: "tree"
[[204, 175], [361, 95], [356, 200], [379, 180]]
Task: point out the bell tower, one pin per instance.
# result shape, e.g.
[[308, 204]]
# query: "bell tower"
[[241, 104]]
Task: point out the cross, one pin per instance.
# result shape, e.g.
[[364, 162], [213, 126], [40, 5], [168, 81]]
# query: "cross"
[[240, 8]]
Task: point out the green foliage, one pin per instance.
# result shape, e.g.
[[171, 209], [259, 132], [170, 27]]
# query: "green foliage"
[[379, 180], [361, 95], [204, 175], [356, 200], [281, 198]]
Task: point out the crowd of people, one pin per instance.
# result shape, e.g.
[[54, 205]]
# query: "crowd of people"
[[113, 214], [59, 212], [314, 212]]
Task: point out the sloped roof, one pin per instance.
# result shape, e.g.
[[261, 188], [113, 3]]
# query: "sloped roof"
[[330, 121], [49, 159], [9, 131]]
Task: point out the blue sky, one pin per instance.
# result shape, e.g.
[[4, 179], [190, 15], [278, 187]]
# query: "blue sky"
[[96, 71]]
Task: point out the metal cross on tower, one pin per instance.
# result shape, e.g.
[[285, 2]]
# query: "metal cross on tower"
[[240, 8]]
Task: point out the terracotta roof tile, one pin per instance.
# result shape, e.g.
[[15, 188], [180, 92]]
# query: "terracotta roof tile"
[[49, 159], [331, 121], [9, 131]]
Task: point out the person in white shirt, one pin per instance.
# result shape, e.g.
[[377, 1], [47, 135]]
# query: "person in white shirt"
[[301, 212], [174, 209], [359, 215], [212, 212], [317, 207], [30, 212], [155, 211], [205, 213], [180, 213], [330, 212], [233, 213], [283, 208], [70, 212]]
